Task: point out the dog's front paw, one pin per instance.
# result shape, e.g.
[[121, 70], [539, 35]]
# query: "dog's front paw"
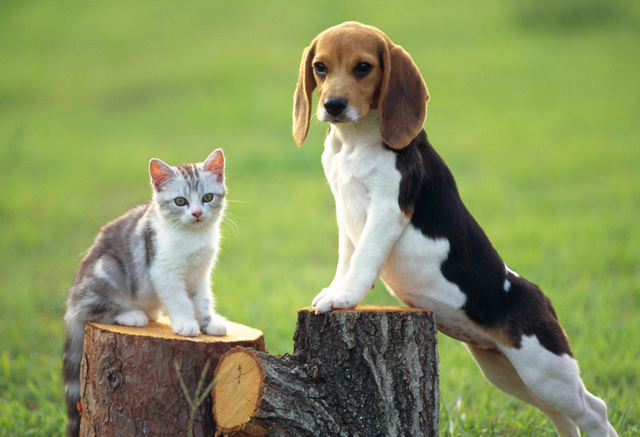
[[334, 298], [185, 327], [320, 297], [323, 302]]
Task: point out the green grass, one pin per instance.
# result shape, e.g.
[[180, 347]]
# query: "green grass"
[[535, 107]]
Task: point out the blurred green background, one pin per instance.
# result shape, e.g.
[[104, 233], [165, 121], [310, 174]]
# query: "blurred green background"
[[535, 107]]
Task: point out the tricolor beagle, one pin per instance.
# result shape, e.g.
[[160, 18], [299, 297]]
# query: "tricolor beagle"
[[400, 218]]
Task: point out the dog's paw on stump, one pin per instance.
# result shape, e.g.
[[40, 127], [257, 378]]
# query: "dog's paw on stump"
[[370, 371]]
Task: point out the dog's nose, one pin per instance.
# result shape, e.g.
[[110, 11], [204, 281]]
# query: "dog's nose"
[[335, 106]]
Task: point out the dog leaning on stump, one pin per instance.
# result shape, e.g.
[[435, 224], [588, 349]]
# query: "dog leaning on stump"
[[371, 371]]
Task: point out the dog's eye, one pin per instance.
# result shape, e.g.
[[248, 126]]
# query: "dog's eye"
[[320, 68], [362, 68]]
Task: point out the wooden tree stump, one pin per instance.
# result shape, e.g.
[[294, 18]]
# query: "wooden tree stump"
[[129, 384], [372, 371]]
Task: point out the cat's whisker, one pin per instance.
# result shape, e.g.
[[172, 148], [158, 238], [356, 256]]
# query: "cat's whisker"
[[237, 201], [229, 221]]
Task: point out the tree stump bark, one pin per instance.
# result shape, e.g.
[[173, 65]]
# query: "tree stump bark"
[[372, 371], [129, 383]]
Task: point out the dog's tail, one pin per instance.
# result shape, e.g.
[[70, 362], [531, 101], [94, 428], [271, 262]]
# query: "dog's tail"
[[71, 358]]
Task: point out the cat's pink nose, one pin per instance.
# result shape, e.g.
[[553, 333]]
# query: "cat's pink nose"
[[196, 214]]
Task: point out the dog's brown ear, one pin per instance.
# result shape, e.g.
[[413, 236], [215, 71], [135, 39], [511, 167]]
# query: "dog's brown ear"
[[403, 98], [302, 96]]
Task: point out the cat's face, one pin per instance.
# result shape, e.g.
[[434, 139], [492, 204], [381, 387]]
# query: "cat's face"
[[190, 194]]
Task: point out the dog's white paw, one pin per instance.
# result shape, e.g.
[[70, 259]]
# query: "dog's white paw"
[[132, 318], [320, 296], [185, 327], [334, 298], [217, 326]]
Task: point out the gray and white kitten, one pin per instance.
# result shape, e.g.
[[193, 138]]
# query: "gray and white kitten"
[[158, 254]]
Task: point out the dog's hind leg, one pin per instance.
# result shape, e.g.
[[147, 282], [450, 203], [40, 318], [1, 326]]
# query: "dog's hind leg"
[[501, 373], [556, 380]]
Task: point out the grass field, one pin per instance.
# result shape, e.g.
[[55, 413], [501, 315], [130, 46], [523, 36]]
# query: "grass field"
[[535, 107]]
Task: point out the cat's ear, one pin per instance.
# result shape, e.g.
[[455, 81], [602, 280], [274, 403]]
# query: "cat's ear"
[[215, 164], [160, 173]]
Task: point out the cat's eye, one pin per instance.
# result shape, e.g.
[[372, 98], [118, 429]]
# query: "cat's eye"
[[180, 201], [207, 197]]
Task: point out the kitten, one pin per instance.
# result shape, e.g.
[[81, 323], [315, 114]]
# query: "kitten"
[[158, 254]]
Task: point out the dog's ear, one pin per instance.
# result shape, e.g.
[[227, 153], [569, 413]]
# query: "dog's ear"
[[403, 97], [302, 96]]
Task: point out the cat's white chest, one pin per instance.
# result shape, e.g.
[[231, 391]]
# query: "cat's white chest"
[[189, 252]]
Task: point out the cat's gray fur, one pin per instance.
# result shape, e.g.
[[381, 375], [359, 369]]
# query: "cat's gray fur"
[[158, 254]]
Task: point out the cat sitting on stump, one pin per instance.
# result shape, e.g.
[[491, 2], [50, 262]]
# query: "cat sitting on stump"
[[156, 255]]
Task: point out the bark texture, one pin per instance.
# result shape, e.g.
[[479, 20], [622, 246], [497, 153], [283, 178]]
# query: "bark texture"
[[129, 384], [372, 371]]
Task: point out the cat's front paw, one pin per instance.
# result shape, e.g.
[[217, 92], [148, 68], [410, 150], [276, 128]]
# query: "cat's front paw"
[[185, 327], [217, 326], [132, 318]]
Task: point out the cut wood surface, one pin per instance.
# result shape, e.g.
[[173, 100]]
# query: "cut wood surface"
[[129, 384], [372, 371], [239, 381]]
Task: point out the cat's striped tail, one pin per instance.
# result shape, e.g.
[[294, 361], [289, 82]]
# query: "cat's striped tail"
[[71, 357]]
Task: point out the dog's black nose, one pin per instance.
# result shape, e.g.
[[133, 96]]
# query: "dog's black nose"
[[336, 106]]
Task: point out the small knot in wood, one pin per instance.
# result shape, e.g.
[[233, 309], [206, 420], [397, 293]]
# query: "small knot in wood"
[[114, 378]]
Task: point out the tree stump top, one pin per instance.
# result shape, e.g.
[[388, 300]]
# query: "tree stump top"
[[371, 308], [162, 330]]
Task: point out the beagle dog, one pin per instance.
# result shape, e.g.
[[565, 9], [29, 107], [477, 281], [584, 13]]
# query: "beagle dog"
[[400, 218]]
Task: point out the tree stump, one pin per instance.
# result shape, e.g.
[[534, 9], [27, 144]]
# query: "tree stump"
[[129, 383], [372, 371]]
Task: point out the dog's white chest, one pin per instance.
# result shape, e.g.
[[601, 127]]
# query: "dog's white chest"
[[359, 174]]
